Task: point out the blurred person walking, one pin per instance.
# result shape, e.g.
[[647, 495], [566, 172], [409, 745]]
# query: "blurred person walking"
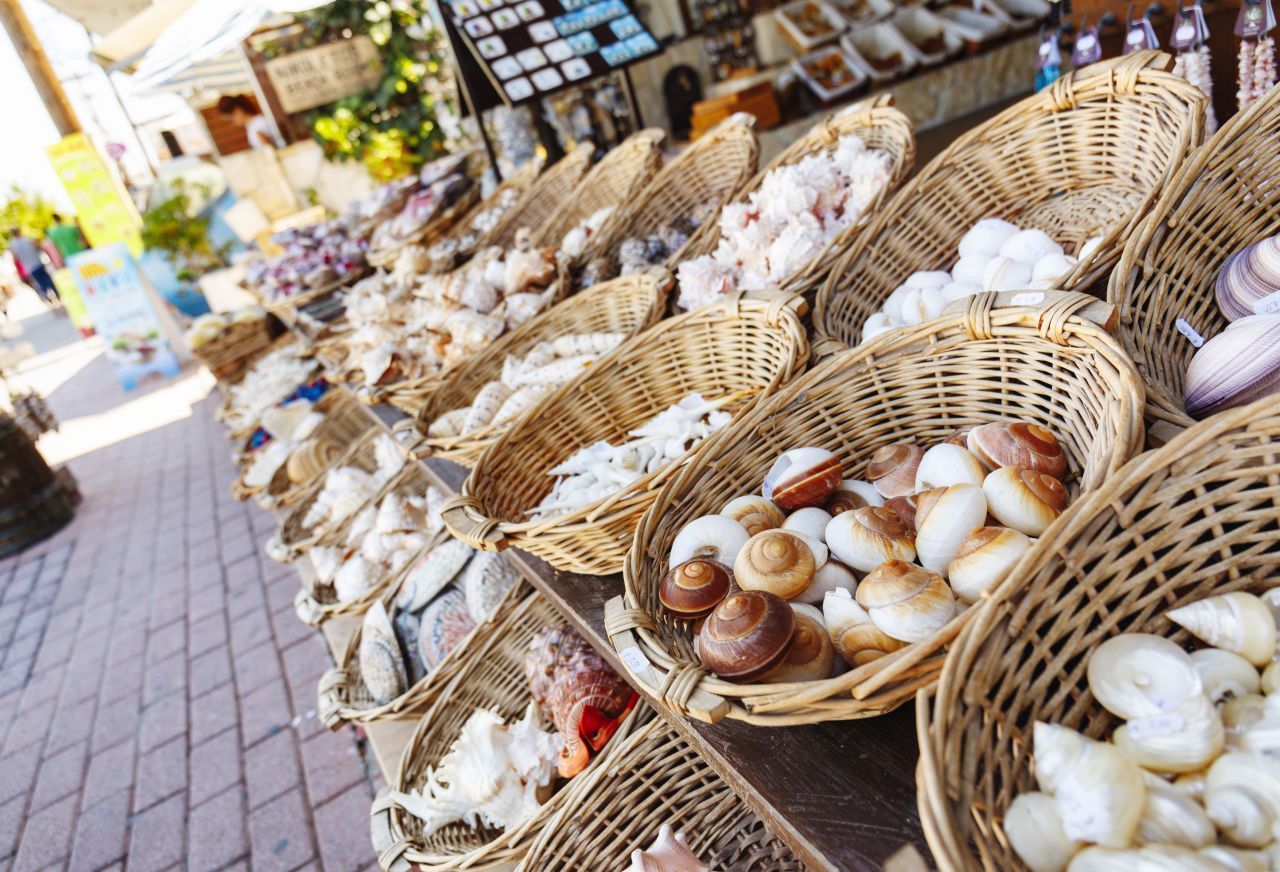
[[27, 255]]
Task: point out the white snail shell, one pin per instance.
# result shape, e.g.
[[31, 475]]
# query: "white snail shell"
[[1034, 827], [712, 537], [811, 521], [985, 237], [1173, 818], [1239, 622], [1185, 739], [986, 556], [1140, 675], [946, 464], [1242, 797], [1099, 791], [1225, 673], [907, 602], [944, 517], [832, 575]]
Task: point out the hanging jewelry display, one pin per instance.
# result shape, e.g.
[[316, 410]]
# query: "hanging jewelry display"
[[1256, 68], [1088, 47], [1191, 39]]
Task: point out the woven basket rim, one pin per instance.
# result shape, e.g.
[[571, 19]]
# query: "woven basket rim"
[[570, 167], [521, 179]]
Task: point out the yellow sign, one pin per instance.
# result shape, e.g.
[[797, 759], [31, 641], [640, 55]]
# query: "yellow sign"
[[103, 206], [318, 76]]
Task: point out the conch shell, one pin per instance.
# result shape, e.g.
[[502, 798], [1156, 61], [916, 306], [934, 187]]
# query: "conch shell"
[[669, 853], [1098, 790], [1239, 622], [381, 663]]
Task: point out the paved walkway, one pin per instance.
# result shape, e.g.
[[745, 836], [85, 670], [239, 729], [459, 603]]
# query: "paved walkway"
[[157, 693]]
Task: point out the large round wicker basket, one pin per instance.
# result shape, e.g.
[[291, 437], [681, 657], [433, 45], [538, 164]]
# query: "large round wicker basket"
[[491, 676], [626, 305], [1195, 518], [1085, 157], [1219, 203], [733, 353], [462, 239], [655, 778], [877, 124], [544, 198], [1047, 366]]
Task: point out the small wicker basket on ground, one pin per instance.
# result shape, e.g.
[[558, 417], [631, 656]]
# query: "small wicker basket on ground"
[[343, 697], [710, 171], [1218, 204], [877, 124], [517, 184], [1192, 519], [491, 675], [545, 197], [733, 352], [239, 346], [411, 481], [626, 305], [655, 778], [1085, 157], [1047, 366]]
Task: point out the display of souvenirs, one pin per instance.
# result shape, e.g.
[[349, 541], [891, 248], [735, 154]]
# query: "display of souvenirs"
[[448, 182], [314, 257], [637, 255], [269, 381]]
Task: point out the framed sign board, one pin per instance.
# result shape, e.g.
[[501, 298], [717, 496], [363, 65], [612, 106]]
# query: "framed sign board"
[[317, 76]]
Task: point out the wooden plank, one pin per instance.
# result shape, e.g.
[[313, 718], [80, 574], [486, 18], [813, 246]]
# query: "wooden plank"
[[388, 740]]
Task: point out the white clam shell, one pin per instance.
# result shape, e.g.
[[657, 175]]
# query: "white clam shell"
[[877, 324], [1052, 267], [1248, 276], [486, 581], [1099, 791], [1184, 739], [1234, 368], [941, 529], [960, 290], [920, 305], [1225, 674], [1034, 827], [927, 279], [945, 464], [1006, 274], [381, 664], [1028, 246], [812, 522], [1091, 245], [1239, 622], [986, 237], [1140, 675], [713, 537]]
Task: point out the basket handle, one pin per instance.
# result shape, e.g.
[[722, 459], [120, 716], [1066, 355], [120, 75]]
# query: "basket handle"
[[1123, 72], [307, 609], [1056, 308], [465, 518], [389, 847], [680, 689], [777, 302], [329, 697]]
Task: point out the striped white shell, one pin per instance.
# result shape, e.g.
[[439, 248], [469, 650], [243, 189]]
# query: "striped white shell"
[[1248, 276], [487, 579], [381, 665], [434, 570], [1239, 365]]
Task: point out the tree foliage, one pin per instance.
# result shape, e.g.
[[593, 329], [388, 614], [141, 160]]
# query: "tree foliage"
[[29, 212], [175, 229]]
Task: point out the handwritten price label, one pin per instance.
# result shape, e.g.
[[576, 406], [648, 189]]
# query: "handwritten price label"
[[1190, 332]]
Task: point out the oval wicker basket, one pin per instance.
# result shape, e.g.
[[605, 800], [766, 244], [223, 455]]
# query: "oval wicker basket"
[[710, 170], [982, 364], [1086, 156], [238, 347], [1218, 204], [733, 352], [626, 305], [543, 200], [411, 481], [877, 124], [1189, 520], [655, 778], [518, 183], [343, 697], [491, 675]]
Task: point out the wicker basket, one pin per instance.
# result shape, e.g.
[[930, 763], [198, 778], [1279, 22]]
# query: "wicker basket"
[[1042, 365], [1217, 205], [879, 125], [1085, 157], [430, 232], [735, 351], [491, 675], [626, 305], [286, 308], [655, 778], [1192, 519], [543, 200], [411, 481], [230, 355], [712, 169], [519, 181]]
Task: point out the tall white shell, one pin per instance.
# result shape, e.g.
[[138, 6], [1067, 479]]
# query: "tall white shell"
[[1239, 622], [381, 663], [1099, 791], [1034, 827]]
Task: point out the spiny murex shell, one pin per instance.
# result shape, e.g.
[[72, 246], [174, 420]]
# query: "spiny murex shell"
[[381, 665], [1250, 274]]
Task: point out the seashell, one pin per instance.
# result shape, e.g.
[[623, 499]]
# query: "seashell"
[[713, 537], [960, 436], [1024, 500], [906, 602], [986, 237], [919, 305], [927, 279], [877, 324], [1052, 267], [1252, 723], [1239, 622], [1248, 276], [810, 656], [693, 589], [1034, 827], [1234, 368], [854, 636], [959, 290], [1140, 675], [449, 424], [1092, 244], [1005, 274], [1098, 790], [1225, 674], [810, 521], [892, 307], [381, 664], [1271, 678], [852, 494], [892, 469], [1017, 443], [1242, 797], [1149, 858], [867, 537], [984, 559], [944, 517], [905, 506], [1173, 818], [802, 477], [431, 573], [485, 405], [311, 458], [946, 464], [1190, 784], [830, 576], [1029, 246], [755, 514], [969, 271], [1184, 739], [520, 401], [669, 853], [486, 580], [1238, 859], [746, 635], [778, 561]]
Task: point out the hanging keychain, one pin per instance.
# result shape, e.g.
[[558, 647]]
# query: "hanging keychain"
[[1256, 70], [1088, 48], [1191, 38], [1138, 35]]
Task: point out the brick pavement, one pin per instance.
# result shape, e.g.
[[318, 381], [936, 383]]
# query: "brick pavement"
[[157, 693]]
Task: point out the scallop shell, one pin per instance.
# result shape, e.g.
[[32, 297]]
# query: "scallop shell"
[[1248, 276], [485, 582], [381, 664], [1234, 368], [1239, 622], [445, 623]]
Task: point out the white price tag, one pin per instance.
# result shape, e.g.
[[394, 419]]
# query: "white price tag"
[[1190, 332], [634, 658], [1268, 304], [1030, 298], [1135, 37], [1086, 43], [1186, 32], [1155, 726]]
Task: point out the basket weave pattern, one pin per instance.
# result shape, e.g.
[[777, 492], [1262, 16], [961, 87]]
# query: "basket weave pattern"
[[1085, 157], [543, 199], [1195, 518], [519, 181], [230, 355], [919, 384]]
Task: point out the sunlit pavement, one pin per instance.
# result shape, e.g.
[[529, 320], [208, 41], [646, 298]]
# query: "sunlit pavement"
[[157, 692]]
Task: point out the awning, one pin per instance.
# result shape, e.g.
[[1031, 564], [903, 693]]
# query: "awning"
[[100, 16], [124, 46]]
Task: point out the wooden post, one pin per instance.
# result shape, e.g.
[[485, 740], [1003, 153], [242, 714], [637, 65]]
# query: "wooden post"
[[15, 22]]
